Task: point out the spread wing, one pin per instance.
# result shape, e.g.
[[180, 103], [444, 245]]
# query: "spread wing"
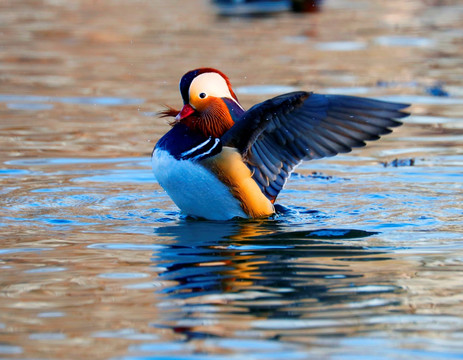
[[276, 135]]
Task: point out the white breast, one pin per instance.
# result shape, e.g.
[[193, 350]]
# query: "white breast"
[[194, 189]]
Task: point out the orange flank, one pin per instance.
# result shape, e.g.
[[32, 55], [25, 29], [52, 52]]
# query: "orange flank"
[[229, 167]]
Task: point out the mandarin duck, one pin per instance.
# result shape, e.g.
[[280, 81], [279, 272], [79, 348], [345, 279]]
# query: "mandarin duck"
[[219, 161]]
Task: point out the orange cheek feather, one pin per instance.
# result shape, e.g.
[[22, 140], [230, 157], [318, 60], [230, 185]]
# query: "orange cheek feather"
[[214, 117]]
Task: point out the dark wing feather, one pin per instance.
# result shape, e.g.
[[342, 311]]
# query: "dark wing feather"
[[276, 135]]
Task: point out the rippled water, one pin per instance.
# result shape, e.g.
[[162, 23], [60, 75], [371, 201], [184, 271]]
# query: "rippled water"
[[364, 259]]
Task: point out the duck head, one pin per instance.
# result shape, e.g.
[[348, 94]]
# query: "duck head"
[[209, 104]]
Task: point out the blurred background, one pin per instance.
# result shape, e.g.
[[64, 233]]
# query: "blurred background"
[[135, 52], [95, 260]]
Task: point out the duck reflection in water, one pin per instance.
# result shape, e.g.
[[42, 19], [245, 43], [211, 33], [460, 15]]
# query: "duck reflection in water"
[[234, 273]]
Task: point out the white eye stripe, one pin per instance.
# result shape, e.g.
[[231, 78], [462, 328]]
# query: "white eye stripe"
[[210, 84]]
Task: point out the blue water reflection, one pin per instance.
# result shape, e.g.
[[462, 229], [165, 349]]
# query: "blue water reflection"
[[36, 102], [266, 272]]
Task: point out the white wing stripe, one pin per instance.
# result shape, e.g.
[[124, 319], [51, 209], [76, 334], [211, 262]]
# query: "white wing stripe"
[[217, 140], [191, 151]]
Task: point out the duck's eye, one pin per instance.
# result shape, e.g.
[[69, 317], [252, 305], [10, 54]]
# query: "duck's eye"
[[203, 95]]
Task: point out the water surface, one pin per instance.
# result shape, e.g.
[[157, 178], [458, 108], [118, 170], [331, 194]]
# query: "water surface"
[[364, 259]]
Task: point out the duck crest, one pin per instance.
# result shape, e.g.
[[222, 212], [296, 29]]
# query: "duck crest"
[[188, 78]]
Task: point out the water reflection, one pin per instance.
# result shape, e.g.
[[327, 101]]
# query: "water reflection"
[[36, 102], [263, 279]]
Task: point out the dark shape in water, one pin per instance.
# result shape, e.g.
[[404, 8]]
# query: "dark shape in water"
[[250, 7], [306, 6], [437, 90], [322, 234], [399, 162], [262, 7], [392, 84]]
